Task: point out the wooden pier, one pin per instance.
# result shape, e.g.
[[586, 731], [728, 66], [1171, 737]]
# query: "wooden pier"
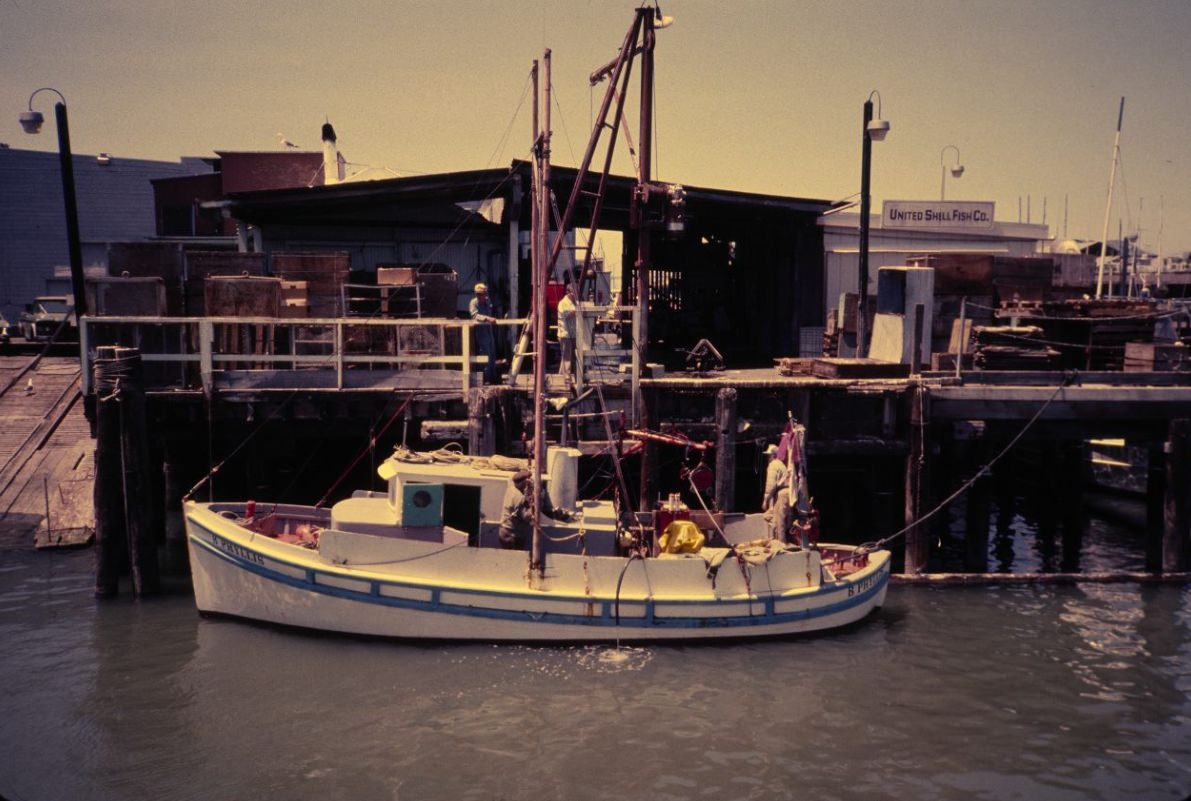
[[281, 423], [46, 466]]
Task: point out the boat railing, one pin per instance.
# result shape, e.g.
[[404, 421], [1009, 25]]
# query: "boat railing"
[[242, 353]]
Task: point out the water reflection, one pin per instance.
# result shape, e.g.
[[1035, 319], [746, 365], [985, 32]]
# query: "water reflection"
[[140, 694], [957, 693], [1022, 541]]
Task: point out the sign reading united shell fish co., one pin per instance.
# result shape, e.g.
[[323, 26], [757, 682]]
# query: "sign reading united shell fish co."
[[947, 214]]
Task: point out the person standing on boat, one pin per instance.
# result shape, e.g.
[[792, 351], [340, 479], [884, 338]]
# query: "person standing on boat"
[[516, 516], [566, 333], [776, 500], [480, 311]]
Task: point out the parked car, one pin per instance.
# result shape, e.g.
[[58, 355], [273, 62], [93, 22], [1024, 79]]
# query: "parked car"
[[5, 332], [43, 317]]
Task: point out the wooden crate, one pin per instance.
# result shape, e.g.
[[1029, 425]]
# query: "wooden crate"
[[294, 309], [324, 274], [1146, 357], [858, 368], [126, 297], [396, 276], [208, 263], [227, 296]]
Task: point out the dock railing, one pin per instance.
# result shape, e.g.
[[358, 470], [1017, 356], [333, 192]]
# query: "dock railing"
[[245, 353]]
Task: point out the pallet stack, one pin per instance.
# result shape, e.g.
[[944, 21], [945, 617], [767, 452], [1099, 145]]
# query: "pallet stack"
[[324, 274], [1007, 347], [202, 265]]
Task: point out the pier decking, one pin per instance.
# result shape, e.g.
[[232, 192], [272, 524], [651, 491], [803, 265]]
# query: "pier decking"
[[903, 443]]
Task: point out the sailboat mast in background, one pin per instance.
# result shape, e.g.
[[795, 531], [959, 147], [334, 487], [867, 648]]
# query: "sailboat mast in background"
[[1112, 175]]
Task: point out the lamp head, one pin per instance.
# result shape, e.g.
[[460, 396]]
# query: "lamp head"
[[31, 121], [877, 129], [957, 171]]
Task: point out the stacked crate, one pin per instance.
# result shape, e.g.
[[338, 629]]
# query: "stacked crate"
[[243, 296], [295, 300], [202, 265], [126, 297], [440, 290], [1009, 347], [160, 260], [324, 275]]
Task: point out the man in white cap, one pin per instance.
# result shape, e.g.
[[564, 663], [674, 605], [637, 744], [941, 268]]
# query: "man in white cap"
[[480, 311], [776, 500]]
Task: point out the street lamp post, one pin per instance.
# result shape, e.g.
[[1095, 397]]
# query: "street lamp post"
[[956, 169], [31, 122], [874, 131]]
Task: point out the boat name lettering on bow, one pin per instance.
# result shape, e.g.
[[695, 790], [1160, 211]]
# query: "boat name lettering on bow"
[[237, 551], [864, 585]]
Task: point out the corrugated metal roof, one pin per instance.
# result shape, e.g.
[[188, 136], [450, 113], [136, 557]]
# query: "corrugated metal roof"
[[370, 198]]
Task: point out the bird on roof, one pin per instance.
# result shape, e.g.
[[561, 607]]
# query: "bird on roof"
[[285, 142]]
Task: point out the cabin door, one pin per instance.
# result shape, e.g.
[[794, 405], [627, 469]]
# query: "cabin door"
[[461, 510]]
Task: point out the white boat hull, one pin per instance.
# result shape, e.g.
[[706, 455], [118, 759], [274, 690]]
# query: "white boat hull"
[[386, 587]]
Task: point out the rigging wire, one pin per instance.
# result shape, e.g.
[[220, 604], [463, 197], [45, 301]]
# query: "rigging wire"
[[562, 121], [364, 451], [500, 145], [868, 547]]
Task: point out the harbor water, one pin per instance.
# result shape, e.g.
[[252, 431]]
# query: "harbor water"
[[1058, 692]]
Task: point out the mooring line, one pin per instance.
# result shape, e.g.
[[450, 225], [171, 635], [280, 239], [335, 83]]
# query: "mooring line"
[[881, 543]]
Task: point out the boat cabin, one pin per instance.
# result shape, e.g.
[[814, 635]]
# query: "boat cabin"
[[459, 500]]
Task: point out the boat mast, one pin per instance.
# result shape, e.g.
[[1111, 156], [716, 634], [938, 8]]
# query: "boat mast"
[[1112, 175], [644, 256], [540, 278]]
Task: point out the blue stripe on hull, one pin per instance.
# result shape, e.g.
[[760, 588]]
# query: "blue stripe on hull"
[[605, 618]]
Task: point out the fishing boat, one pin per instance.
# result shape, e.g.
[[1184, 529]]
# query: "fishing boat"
[[424, 559], [385, 564]]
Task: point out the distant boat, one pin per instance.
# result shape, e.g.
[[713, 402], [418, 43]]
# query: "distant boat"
[[1117, 466], [384, 564]]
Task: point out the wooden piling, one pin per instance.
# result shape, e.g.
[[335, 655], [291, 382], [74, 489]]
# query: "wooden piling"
[[1070, 499], [173, 485], [1042, 489], [1176, 527], [138, 509], [1155, 506], [917, 500], [109, 486], [725, 449], [979, 507], [481, 423]]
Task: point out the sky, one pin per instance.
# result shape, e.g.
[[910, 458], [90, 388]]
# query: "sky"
[[752, 95]]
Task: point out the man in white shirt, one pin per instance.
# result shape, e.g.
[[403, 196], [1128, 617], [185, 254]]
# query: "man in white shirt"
[[566, 333], [776, 500]]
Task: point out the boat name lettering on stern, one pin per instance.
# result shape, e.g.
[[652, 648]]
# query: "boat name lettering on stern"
[[238, 551]]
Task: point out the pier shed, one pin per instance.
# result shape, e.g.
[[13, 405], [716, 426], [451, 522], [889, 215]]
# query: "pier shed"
[[746, 270]]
